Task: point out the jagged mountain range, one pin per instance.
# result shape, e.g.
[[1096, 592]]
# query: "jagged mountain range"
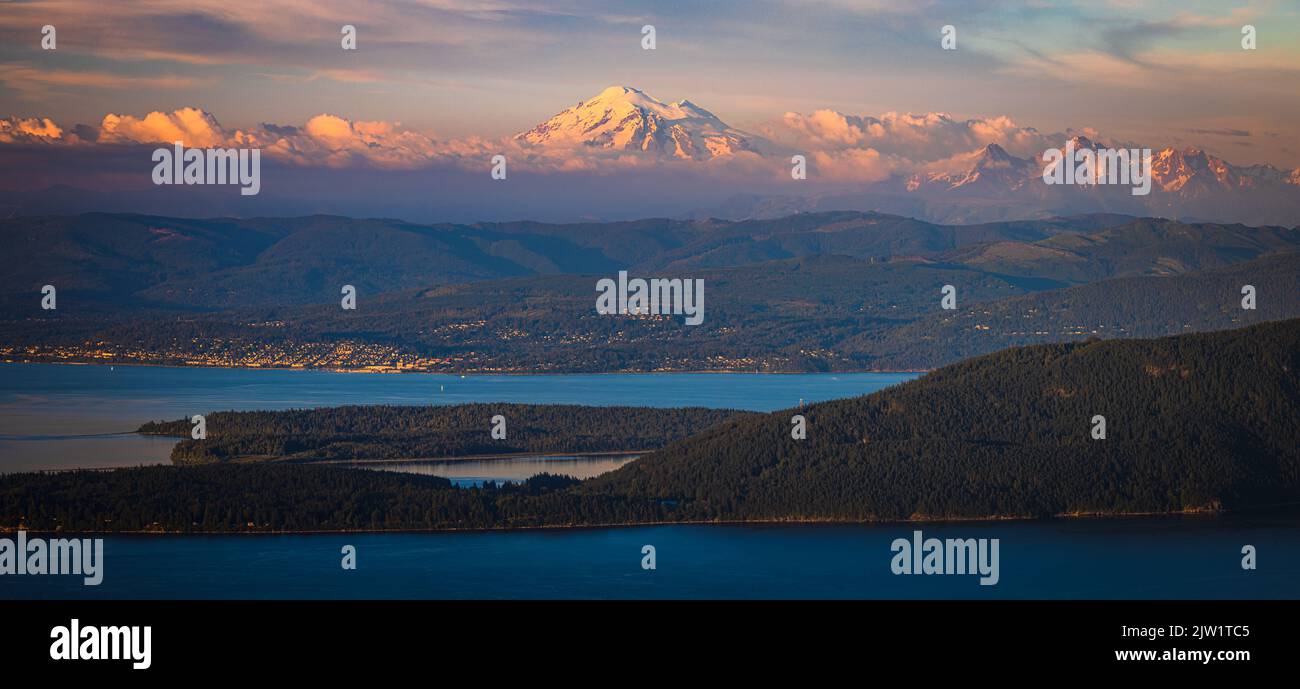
[[624, 147], [989, 184], [1186, 184], [628, 119]]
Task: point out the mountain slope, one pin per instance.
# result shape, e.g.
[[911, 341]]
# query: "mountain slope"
[[1192, 422], [113, 263], [622, 118], [989, 171], [1147, 306], [110, 257], [990, 184], [813, 313], [1146, 246]]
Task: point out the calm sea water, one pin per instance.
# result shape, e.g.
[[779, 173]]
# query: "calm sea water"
[[58, 417], [50, 417], [1147, 558], [476, 472]]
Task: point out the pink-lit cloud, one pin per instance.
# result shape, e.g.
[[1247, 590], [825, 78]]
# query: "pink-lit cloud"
[[838, 147], [917, 138], [29, 130]]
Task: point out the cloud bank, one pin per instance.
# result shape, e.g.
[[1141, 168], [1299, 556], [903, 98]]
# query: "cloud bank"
[[840, 147]]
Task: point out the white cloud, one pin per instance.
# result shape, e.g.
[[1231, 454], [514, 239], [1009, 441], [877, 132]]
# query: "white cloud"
[[29, 130], [192, 126], [839, 147], [916, 138]]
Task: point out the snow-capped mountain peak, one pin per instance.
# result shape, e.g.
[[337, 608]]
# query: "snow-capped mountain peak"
[[1183, 178], [1081, 142], [625, 118], [994, 156], [989, 167], [1193, 172]]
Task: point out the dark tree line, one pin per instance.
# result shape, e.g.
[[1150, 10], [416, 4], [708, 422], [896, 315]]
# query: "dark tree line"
[[1203, 421], [409, 432], [1195, 421], [262, 497]]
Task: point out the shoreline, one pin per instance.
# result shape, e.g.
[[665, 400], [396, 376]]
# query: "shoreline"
[[1062, 517], [595, 454], [465, 373], [474, 458]]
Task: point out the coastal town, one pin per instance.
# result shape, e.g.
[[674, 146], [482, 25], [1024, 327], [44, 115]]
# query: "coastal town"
[[345, 356]]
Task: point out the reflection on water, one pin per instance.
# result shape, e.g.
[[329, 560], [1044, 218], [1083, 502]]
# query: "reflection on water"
[[35, 453], [476, 472]]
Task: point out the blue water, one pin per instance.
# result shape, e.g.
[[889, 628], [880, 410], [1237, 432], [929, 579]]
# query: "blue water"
[[50, 417], [78, 404], [178, 390], [469, 473], [1187, 557]]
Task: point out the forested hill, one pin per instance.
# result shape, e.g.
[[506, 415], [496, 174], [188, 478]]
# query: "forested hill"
[[815, 292], [1199, 421], [1145, 306], [1194, 421], [109, 263], [430, 432]]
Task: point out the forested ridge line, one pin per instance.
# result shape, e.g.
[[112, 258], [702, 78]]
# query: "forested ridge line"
[[431, 431], [1199, 421], [1193, 422]]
